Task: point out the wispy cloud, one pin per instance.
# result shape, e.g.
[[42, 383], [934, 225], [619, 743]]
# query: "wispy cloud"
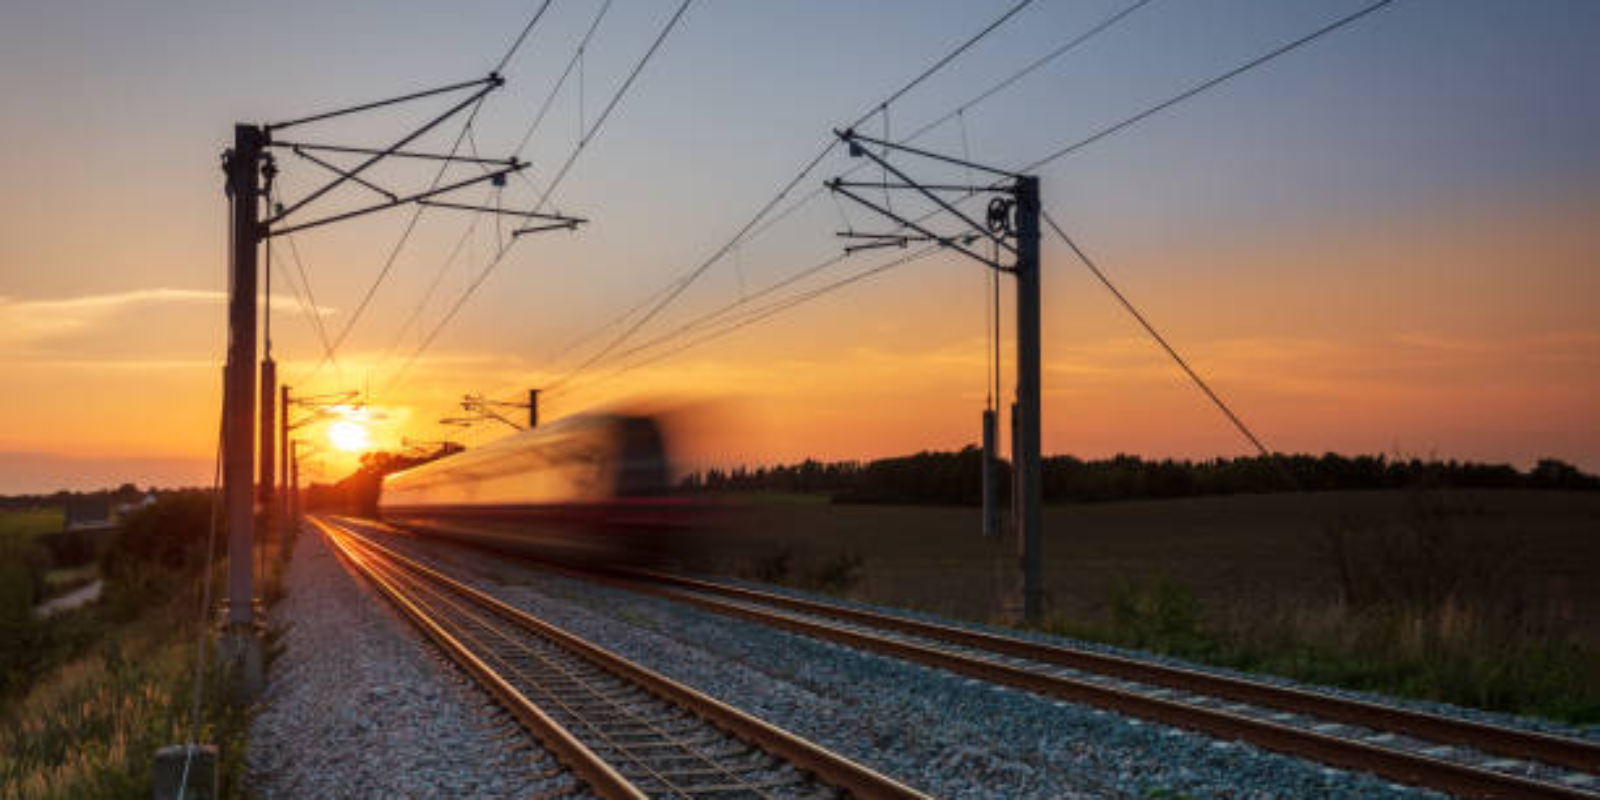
[[25, 321]]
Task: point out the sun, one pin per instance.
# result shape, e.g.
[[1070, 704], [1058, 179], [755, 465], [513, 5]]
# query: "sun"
[[349, 436]]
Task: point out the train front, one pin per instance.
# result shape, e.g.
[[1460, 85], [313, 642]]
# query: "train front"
[[591, 490]]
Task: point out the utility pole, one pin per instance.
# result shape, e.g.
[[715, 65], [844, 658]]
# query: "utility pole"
[[240, 647], [1011, 226], [533, 409], [1028, 472]]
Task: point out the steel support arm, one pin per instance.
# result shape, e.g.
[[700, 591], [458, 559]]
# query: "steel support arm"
[[493, 80], [947, 241], [388, 151], [392, 203], [940, 201]]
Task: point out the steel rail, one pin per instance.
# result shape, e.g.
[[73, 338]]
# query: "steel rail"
[[1399, 765], [1556, 750], [588, 766], [829, 767]]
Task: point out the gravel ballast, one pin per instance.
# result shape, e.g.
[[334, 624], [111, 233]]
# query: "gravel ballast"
[[361, 705], [945, 734]]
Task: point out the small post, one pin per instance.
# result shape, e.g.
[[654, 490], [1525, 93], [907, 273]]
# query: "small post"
[[1016, 485], [991, 505], [533, 409], [285, 502], [269, 419], [185, 770], [1028, 472], [294, 484]]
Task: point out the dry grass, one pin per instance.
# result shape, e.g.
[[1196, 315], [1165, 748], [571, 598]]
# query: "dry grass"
[[91, 728], [1491, 602]]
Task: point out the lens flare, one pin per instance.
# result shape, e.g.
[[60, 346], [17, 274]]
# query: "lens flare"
[[349, 436]]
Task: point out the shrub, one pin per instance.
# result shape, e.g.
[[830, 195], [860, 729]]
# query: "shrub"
[[168, 534], [22, 568]]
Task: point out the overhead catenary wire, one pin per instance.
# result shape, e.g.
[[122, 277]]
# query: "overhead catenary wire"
[[687, 279], [522, 36], [522, 145], [1207, 85], [438, 278], [762, 313], [957, 113], [420, 209], [600, 120], [1128, 122], [1187, 94], [745, 235], [1101, 134], [308, 304], [577, 54]]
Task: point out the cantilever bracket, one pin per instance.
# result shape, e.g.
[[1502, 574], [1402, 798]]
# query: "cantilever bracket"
[[508, 212], [371, 151], [958, 243], [493, 80], [299, 151], [924, 191], [418, 197], [854, 139]]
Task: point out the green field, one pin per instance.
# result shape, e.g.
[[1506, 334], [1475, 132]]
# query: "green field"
[[1375, 589], [29, 522]]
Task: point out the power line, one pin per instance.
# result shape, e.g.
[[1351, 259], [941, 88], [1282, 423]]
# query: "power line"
[[682, 283], [1206, 85], [1156, 335], [958, 111], [561, 81], [1193, 91], [1097, 136], [438, 278], [522, 145], [503, 250], [307, 308], [759, 314], [610, 106], [315, 311], [405, 235], [522, 37], [711, 318], [420, 209]]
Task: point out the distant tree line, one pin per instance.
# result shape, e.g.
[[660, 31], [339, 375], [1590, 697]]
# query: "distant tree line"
[[126, 493], [957, 478]]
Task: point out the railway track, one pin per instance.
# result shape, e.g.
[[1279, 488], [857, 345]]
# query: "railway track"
[[624, 731], [1462, 757], [1465, 758]]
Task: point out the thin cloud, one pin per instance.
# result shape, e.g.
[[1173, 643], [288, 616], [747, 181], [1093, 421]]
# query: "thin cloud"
[[26, 321]]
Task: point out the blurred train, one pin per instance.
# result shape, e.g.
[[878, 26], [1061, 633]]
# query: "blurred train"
[[590, 489]]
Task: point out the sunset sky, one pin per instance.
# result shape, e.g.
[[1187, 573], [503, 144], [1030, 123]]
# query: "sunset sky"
[[1388, 241]]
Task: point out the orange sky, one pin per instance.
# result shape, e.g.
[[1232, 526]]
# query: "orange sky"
[[1454, 356], [1416, 274]]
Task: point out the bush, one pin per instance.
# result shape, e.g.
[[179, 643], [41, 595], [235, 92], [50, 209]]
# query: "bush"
[[168, 534]]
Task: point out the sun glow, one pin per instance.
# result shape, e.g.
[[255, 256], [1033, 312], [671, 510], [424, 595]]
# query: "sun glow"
[[349, 436]]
